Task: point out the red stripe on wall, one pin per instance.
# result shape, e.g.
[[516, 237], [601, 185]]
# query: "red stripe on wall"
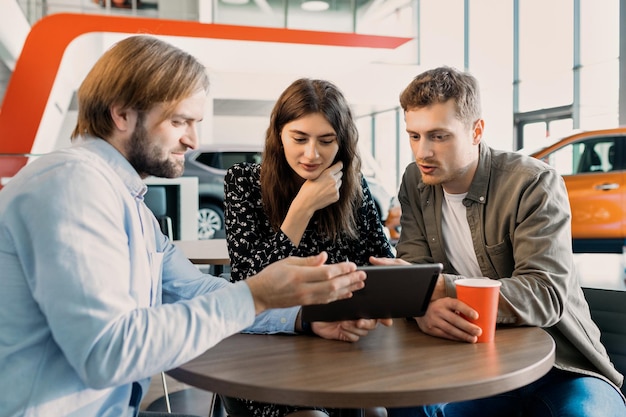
[[36, 69]]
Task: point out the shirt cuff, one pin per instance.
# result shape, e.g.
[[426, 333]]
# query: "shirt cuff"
[[278, 320]]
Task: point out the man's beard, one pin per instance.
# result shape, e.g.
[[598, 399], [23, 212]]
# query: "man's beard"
[[147, 158]]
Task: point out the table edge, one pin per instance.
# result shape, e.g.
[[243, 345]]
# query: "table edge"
[[373, 399]]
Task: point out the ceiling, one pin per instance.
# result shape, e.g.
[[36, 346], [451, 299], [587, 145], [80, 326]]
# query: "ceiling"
[[247, 77], [296, 9]]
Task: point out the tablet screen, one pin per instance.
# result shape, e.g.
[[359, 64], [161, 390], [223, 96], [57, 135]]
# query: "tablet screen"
[[389, 292]]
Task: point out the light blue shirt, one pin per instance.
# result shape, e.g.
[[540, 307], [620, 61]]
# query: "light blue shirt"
[[93, 296]]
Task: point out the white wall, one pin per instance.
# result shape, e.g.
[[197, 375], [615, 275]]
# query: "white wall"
[[238, 130], [57, 120]]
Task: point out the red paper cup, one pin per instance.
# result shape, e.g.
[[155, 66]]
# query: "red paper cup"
[[482, 295]]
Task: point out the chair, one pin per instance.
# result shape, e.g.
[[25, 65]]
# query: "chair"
[[156, 200], [192, 401], [608, 310]]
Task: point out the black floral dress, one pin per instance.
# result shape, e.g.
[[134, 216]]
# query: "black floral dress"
[[253, 245]]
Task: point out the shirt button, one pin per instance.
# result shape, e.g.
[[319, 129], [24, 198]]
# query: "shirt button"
[[283, 320], [482, 198]]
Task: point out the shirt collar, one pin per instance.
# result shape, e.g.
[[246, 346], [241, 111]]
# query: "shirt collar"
[[480, 183], [118, 163]]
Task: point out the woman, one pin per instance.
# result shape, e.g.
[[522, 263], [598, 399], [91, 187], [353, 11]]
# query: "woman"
[[307, 196]]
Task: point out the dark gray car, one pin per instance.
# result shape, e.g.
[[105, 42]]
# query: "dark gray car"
[[210, 162]]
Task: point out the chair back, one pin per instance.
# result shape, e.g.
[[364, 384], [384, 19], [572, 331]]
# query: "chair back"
[[156, 200], [608, 310]]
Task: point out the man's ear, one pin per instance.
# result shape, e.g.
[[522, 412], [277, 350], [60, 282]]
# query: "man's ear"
[[124, 118], [479, 127]]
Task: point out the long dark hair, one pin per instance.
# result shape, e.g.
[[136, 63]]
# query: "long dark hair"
[[280, 184]]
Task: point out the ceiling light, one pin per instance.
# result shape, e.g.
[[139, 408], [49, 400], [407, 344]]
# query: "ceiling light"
[[314, 6], [236, 2]]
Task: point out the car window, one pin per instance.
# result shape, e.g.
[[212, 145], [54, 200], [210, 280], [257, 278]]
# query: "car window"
[[231, 158], [224, 160], [208, 159], [586, 156]]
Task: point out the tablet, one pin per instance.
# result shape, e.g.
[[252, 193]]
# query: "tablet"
[[389, 292]]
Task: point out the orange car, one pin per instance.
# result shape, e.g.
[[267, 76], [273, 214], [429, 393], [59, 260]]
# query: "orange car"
[[593, 165]]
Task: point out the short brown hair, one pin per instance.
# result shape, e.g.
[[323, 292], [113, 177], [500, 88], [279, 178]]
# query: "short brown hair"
[[440, 85], [137, 73]]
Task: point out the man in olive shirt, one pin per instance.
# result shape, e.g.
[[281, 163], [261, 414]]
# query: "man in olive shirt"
[[497, 215]]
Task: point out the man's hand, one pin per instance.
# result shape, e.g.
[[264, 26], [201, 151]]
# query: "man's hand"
[[300, 281], [348, 330], [444, 318]]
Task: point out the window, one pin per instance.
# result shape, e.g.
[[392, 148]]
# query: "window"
[[595, 155], [224, 160]]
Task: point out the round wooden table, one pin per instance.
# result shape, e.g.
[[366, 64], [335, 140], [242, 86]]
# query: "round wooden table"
[[392, 367], [205, 252]]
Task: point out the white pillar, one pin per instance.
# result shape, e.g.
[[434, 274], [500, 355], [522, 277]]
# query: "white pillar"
[[205, 11]]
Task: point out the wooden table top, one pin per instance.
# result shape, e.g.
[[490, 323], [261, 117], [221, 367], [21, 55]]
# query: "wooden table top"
[[393, 367], [205, 252]]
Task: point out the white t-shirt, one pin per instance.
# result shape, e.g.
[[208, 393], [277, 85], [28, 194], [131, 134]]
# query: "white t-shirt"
[[457, 238]]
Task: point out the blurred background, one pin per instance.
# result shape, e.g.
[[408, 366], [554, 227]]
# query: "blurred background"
[[546, 69]]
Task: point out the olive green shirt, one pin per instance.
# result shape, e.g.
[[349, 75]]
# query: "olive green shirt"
[[519, 216]]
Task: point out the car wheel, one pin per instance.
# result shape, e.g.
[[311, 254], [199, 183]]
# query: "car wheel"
[[210, 220]]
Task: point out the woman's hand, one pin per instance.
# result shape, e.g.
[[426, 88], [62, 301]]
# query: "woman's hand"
[[312, 196], [387, 261], [322, 191], [347, 330]]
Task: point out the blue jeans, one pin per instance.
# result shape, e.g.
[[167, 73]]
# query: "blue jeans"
[[557, 394]]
